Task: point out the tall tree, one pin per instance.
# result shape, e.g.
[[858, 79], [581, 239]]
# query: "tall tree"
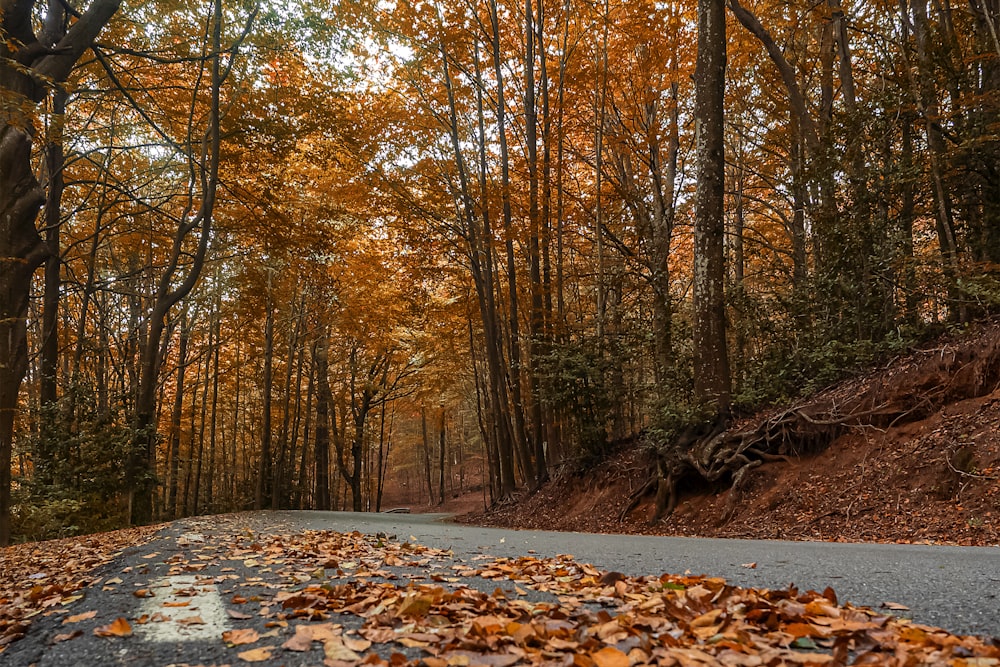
[[31, 66], [712, 381]]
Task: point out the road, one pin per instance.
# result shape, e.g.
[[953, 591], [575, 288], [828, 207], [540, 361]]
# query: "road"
[[951, 587], [956, 588]]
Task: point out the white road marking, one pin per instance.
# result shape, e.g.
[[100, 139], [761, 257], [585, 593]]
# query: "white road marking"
[[204, 601]]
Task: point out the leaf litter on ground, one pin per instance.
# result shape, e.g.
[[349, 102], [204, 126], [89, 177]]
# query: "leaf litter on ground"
[[585, 617], [45, 577]]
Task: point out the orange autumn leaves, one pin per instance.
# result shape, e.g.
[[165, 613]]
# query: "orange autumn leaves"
[[587, 618], [44, 580], [341, 599]]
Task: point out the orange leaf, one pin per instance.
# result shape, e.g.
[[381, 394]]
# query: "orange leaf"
[[76, 618], [116, 628], [191, 620], [609, 656], [239, 637], [256, 655]]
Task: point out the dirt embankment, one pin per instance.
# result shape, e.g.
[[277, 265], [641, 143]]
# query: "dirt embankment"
[[919, 463]]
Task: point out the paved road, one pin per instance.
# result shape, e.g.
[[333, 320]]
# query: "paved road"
[[957, 588]]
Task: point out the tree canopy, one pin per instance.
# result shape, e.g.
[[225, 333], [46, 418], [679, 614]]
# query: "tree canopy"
[[298, 255]]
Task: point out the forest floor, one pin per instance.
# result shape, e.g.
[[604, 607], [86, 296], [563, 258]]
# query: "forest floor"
[[932, 477]]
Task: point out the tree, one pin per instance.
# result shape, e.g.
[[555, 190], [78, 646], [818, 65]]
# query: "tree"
[[711, 365], [31, 66]]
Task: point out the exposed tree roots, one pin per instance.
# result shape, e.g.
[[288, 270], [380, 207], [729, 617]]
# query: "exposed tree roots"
[[712, 456]]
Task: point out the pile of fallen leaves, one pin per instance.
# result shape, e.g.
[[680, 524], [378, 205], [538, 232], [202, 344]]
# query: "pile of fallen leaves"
[[417, 601], [40, 576]]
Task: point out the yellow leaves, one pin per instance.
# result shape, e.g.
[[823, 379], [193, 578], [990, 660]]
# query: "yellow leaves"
[[119, 627]]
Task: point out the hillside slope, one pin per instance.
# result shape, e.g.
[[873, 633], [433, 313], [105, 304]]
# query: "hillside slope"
[[923, 466]]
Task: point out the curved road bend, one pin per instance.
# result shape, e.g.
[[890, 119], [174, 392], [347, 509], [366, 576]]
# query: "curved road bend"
[[957, 588]]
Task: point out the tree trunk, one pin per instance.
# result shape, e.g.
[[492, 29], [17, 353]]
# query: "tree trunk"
[[441, 457], [426, 442], [172, 510], [264, 473], [321, 497], [26, 64], [52, 448], [711, 360]]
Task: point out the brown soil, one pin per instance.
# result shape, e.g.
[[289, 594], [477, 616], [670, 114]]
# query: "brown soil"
[[922, 466]]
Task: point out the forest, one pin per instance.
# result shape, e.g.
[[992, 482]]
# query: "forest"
[[257, 255]]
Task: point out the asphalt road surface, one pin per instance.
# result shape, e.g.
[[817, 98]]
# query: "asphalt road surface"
[[951, 587], [956, 588]]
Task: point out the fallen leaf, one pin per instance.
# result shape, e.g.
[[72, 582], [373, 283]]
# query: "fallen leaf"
[[334, 650], [67, 636], [301, 641], [238, 615], [76, 618], [256, 654], [609, 656], [191, 620], [750, 566], [895, 606], [116, 628], [143, 593], [355, 644], [240, 637]]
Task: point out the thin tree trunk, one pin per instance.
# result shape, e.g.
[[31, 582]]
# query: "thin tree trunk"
[[441, 457], [52, 450], [264, 473], [321, 497], [172, 511], [425, 441]]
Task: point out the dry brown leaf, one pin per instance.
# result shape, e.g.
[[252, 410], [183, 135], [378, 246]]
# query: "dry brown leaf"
[[238, 615], [191, 620], [334, 650], [355, 644], [256, 654], [76, 618], [240, 637], [67, 636], [301, 641], [609, 656]]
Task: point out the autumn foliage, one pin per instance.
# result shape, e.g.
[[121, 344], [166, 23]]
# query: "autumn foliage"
[[331, 259]]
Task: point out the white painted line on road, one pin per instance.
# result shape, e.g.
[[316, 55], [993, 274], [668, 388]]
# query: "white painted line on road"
[[181, 624]]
